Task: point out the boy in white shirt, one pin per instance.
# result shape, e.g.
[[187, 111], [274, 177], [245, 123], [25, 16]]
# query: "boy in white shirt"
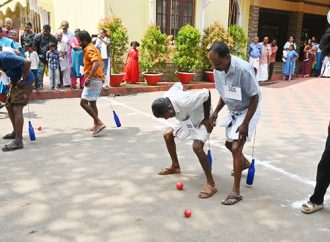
[[32, 55]]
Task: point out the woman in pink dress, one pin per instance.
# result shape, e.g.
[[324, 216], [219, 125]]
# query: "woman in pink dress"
[[132, 64]]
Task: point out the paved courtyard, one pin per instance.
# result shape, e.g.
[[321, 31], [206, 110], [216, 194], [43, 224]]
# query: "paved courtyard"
[[69, 186]]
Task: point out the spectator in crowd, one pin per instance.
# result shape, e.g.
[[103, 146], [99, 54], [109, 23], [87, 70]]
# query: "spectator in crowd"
[[290, 42], [305, 69], [4, 79], [103, 44], [77, 66], [53, 58], [28, 35], [62, 48], [132, 64], [289, 63], [264, 60], [255, 53], [6, 42], [94, 79], [67, 36], [9, 26], [318, 57], [41, 45], [325, 48], [272, 59], [32, 56], [17, 46]]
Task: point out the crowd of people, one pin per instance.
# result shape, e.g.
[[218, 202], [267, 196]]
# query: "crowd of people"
[[60, 55], [262, 56]]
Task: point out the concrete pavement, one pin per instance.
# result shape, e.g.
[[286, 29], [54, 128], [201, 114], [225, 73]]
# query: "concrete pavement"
[[69, 186]]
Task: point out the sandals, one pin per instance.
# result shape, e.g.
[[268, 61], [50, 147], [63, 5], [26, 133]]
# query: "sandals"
[[15, 145], [208, 191], [98, 130], [11, 135], [169, 170], [232, 199], [310, 207]]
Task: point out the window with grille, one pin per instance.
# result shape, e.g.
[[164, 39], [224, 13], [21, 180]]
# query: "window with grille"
[[171, 15]]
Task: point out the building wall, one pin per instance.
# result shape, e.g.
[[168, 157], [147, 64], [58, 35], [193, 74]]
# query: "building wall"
[[135, 15], [83, 14], [215, 11]]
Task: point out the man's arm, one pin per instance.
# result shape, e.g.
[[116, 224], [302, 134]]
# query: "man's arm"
[[214, 115], [26, 69], [91, 74]]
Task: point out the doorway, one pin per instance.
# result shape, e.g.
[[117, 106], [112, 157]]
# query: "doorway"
[[274, 24]]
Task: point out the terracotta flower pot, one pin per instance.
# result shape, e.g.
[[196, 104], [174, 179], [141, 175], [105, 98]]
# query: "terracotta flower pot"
[[116, 79], [185, 77], [210, 76], [152, 79], [3, 97]]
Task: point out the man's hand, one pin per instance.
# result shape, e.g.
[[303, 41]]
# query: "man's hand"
[[213, 119], [207, 123], [243, 131], [87, 82], [20, 83]]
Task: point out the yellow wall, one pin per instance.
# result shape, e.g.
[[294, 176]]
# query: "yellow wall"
[[215, 11], [244, 11], [49, 6], [134, 13], [83, 14]]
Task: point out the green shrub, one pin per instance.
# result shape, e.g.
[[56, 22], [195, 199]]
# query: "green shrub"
[[240, 40], [154, 50], [186, 56], [215, 32], [119, 41]]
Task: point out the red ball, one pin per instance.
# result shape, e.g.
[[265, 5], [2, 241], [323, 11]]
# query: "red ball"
[[39, 128], [187, 213], [179, 185]]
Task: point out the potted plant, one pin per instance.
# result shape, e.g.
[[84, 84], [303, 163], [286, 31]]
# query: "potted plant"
[[153, 54], [240, 40], [215, 32], [186, 56], [118, 47]]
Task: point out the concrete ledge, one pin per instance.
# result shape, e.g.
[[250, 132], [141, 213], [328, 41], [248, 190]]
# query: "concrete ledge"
[[124, 89]]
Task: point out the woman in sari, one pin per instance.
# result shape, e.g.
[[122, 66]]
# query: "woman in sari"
[[77, 56], [307, 63]]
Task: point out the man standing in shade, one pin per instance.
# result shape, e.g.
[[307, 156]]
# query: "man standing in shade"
[[239, 90], [272, 59], [41, 45], [255, 53]]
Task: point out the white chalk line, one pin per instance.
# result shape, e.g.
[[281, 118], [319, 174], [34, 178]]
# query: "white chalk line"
[[266, 164]]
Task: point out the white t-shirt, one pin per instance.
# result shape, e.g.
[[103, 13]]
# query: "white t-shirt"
[[187, 105], [103, 47], [34, 58]]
